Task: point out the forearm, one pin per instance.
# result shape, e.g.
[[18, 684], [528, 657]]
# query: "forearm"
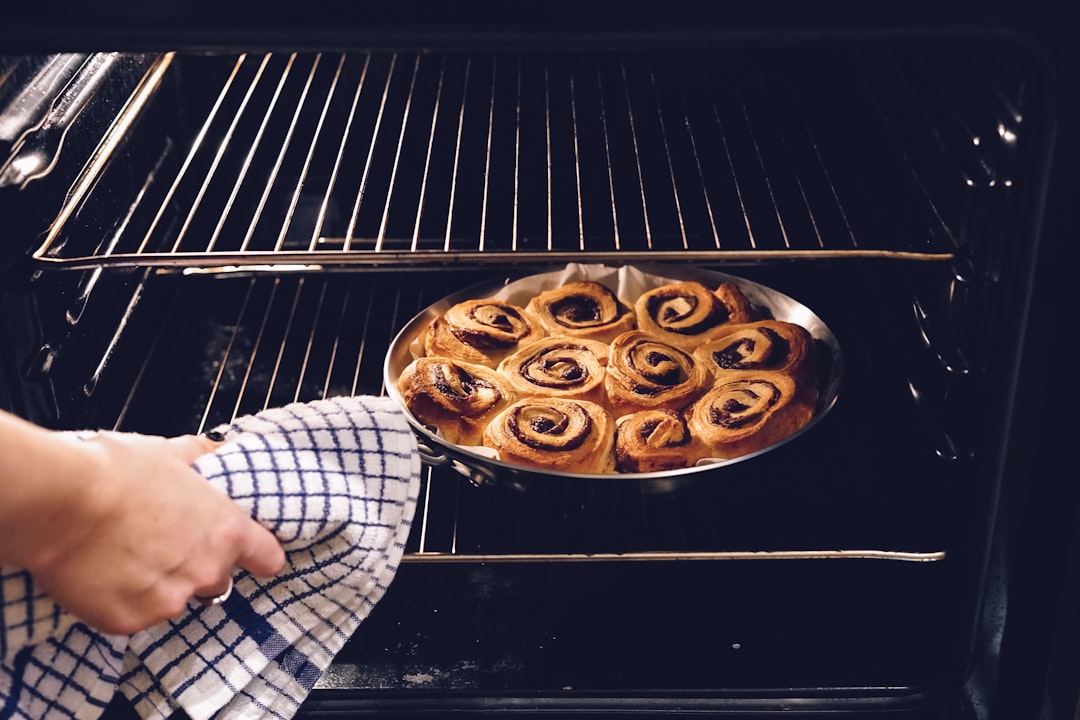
[[42, 476]]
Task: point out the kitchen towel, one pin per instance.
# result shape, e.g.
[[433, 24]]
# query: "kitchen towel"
[[337, 482]]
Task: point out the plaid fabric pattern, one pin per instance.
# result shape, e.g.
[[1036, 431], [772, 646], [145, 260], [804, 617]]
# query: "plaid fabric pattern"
[[337, 481]]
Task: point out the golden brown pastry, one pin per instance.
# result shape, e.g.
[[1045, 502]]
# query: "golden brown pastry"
[[574, 436], [456, 397], [685, 314], [558, 367], [481, 331], [646, 372], [748, 411], [654, 441], [583, 309], [764, 345]]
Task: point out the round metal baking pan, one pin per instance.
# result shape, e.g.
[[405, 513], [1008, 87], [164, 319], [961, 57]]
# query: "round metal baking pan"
[[484, 470]]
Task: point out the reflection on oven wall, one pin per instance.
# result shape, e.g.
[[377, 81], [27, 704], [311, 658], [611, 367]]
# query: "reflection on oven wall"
[[217, 233]]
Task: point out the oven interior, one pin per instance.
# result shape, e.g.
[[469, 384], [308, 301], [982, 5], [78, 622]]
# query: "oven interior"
[[197, 235]]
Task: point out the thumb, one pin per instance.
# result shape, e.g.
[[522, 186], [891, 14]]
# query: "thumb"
[[190, 448]]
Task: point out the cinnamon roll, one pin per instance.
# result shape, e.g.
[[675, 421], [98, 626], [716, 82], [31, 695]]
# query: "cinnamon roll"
[[687, 313], [583, 309], [456, 397], [764, 345], [557, 434], [749, 411], [558, 367], [645, 372], [654, 441], [481, 331]]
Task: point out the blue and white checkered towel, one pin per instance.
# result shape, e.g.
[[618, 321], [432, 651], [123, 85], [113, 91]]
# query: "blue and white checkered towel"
[[337, 482]]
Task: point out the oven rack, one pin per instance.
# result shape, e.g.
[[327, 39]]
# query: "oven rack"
[[195, 352], [384, 160]]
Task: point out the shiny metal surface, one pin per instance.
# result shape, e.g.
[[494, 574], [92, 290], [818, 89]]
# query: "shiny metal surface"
[[482, 470]]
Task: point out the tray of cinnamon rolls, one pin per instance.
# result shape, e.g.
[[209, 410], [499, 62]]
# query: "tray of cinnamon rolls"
[[651, 373]]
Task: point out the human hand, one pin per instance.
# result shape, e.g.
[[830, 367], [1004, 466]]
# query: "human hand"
[[140, 534]]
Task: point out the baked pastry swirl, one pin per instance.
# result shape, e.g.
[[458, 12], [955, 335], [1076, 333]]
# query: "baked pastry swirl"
[[456, 397], [586, 378], [481, 331], [687, 313], [583, 309], [764, 345], [748, 411], [558, 367], [646, 372], [557, 434], [654, 441]]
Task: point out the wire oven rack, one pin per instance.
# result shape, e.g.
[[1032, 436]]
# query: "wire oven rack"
[[389, 159], [210, 349]]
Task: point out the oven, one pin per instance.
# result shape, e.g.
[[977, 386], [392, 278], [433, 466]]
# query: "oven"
[[206, 216]]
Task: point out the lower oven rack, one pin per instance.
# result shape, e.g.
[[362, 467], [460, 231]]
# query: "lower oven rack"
[[197, 351]]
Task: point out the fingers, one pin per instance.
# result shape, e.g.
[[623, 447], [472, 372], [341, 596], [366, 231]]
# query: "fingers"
[[259, 552], [263, 558], [216, 596], [262, 554]]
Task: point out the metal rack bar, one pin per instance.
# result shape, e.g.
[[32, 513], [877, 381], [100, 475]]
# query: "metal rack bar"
[[427, 158], [304, 173], [607, 158], [637, 159], [667, 155], [734, 177], [381, 238], [255, 145], [218, 155], [284, 261], [577, 165], [517, 162], [453, 557], [829, 183], [217, 383], [350, 231], [457, 160], [255, 351], [310, 345], [339, 156]]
